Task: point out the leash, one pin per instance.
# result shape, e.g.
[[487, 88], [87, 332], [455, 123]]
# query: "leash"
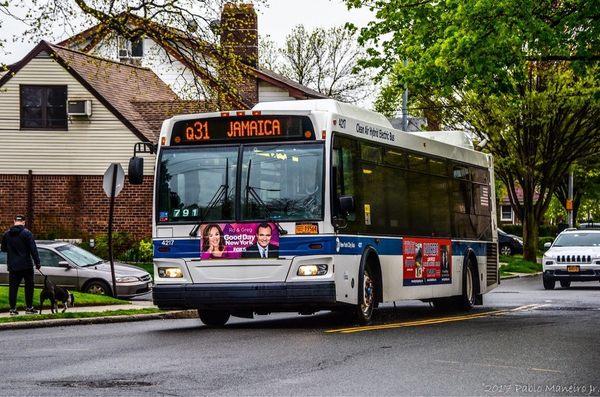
[[39, 270]]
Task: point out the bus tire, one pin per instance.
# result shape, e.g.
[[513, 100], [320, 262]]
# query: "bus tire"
[[466, 300], [367, 296], [213, 318]]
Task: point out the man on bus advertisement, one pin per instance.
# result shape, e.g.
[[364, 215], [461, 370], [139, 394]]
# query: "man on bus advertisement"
[[239, 240], [426, 261]]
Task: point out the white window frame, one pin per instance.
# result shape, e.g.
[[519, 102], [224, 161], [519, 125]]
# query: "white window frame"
[[502, 218]]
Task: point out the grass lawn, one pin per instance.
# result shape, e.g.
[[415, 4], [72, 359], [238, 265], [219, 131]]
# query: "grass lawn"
[[36, 317], [149, 267], [81, 299], [516, 264]]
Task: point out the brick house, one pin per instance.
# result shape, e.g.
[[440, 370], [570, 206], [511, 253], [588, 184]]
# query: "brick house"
[[51, 164]]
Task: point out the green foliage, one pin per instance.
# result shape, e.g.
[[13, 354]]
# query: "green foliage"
[[521, 74], [516, 264], [141, 252], [125, 247]]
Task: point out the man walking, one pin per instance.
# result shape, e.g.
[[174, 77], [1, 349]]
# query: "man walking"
[[20, 247]]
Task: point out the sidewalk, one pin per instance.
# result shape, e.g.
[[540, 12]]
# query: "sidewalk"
[[96, 316], [130, 306]]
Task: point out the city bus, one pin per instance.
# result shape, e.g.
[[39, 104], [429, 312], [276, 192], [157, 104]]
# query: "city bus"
[[302, 206]]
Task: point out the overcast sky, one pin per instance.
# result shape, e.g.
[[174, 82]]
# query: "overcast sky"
[[275, 19]]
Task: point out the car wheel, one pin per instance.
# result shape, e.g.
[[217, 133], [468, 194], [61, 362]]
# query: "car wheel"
[[549, 283], [506, 250], [98, 287], [565, 284], [214, 318]]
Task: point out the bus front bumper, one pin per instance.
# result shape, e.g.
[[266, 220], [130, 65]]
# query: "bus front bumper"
[[315, 295]]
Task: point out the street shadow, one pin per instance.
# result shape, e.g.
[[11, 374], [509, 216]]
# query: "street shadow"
[[321, 320]]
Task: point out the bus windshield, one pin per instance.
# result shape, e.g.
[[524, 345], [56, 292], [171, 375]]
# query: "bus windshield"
[[282, 182], [279, 182]]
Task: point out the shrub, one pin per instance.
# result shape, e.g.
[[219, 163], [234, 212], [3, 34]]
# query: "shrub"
[[140, 252], [517, 230], [122, 242]]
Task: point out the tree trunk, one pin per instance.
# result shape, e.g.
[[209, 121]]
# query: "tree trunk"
[[530, 236]]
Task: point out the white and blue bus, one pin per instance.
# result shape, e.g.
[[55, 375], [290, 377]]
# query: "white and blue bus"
[[317, 205]]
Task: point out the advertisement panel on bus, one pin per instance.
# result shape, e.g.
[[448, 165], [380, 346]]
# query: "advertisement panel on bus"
[[239, 240], [427, 261]]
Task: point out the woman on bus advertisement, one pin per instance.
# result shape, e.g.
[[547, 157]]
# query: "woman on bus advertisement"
[[213, 243], [239, 240]]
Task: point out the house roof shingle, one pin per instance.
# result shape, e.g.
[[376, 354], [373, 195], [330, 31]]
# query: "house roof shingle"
[[295, 89], [120, 87]]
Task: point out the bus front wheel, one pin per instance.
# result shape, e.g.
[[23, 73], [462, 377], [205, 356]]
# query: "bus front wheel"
[[213, 318], [367, 297]]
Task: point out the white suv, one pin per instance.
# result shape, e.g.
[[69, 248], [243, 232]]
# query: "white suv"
[[573, 256]]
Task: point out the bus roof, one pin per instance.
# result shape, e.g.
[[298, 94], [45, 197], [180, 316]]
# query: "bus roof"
[[328, 105]]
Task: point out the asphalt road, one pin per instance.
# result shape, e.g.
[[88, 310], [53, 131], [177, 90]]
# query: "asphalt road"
[[523, 341]]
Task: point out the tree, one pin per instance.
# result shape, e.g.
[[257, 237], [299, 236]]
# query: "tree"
[[520, 74], [321, 59], [184, 28], [586, 184]]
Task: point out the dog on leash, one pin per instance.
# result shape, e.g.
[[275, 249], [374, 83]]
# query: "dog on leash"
[[55, 294]]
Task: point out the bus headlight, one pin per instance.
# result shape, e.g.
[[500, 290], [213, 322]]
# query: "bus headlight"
[[312, 270], [170, 272]]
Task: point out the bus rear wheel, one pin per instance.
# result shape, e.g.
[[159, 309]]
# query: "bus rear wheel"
[[213, 318], [466, 300]]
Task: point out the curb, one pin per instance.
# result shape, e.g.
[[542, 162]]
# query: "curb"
[[179, 314], [522, 275]]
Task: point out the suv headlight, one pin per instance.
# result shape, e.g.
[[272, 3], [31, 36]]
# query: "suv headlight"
[[127, 279]]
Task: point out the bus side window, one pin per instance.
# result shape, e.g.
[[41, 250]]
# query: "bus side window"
[[344, 168]]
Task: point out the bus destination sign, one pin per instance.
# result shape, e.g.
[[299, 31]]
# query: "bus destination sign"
[[241, 128]]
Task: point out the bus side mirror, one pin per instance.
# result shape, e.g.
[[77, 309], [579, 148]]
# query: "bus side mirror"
[[346, 205], [135, 171], [547, 245]]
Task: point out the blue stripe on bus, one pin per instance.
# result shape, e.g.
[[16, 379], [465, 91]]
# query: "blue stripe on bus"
[[314, 245]]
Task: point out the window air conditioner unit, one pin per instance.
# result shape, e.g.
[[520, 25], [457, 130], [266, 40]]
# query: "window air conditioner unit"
[[79, 107]]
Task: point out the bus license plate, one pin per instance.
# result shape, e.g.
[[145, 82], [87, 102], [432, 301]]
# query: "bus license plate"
[[573, 269]]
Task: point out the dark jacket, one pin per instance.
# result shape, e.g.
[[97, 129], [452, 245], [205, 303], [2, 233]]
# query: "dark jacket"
[[252, 251], [20, 247]]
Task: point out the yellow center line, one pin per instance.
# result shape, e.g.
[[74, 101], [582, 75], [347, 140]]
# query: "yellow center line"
[[431, 321]]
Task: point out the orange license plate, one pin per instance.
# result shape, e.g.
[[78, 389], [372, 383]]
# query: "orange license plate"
[[573, 269]]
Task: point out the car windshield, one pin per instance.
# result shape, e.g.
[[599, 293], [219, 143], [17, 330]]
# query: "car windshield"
[[79, 256], [578, 240]]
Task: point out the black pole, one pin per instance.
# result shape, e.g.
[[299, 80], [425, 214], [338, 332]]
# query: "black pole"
[[110, 227]]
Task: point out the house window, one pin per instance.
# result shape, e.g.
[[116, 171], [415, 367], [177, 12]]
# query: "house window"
[[44, 107], [506, 213], [130, 48]]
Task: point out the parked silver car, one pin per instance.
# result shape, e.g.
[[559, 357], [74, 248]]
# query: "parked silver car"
[[79, 270]]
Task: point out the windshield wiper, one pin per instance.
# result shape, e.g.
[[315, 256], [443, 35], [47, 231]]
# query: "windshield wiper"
[[251, 192], [221, 194]]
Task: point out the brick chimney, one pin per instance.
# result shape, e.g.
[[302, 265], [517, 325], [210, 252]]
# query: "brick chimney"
[[239, 34]]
